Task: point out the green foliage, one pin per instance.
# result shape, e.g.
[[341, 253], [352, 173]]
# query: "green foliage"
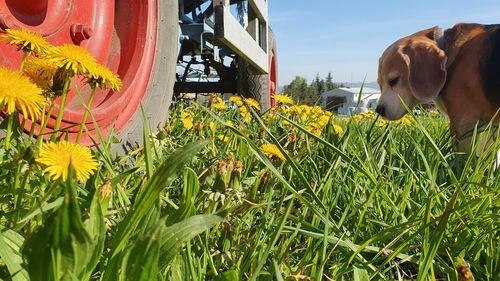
[[373, 201], [60, 249], [309, 94]]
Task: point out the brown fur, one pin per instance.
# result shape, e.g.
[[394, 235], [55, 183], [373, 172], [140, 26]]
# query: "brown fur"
[[463, 78]]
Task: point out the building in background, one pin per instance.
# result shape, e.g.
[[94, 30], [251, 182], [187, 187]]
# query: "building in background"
[[346, 101]]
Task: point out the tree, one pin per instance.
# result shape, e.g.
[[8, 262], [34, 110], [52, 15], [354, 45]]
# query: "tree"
[[310, 94], [318, 85], [297, 89], [329, 85]]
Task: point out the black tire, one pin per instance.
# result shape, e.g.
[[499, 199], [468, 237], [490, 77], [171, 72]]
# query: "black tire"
[[254, 85], [158, 98]]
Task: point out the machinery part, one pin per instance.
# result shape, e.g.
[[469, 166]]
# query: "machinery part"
[[260, 87], [158, 97], [80, 32], [135, 39]]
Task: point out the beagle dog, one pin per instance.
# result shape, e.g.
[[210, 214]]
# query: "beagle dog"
[[458, 68]]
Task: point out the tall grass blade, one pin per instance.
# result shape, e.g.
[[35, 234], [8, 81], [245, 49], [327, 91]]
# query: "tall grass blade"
[[437, 236], [174, 237], [147, 145], [10, 244], [96, 228], [146, 200]]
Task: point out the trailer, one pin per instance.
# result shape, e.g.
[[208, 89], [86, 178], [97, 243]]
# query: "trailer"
[[348, 101], [159, 48]]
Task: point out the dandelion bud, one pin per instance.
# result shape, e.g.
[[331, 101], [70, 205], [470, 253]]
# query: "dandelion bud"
[[105, 189], [266, 176], [230, 162], [212, 99], [222, 168], [238, 168], [168, 128], [198, 126], [464, 273]]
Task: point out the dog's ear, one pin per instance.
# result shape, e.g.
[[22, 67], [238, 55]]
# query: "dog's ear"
[[429, 33], [426, 69]]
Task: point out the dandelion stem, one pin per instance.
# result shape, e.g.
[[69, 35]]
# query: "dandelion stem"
[[23, 123], [21, 66], [33, 125], [10, 122], [20, 192], [61, 107], [44, 121], [85, 115]]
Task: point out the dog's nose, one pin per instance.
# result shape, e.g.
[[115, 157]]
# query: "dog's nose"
[[380, 109]]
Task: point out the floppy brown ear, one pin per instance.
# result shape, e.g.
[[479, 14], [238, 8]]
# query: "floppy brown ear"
[[426, 69], [429, 33]]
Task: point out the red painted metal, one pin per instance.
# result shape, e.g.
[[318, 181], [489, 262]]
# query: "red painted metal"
[[120, 34], [80, 32], [273, 79]]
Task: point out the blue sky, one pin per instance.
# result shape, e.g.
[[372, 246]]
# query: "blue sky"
[[347, 37]]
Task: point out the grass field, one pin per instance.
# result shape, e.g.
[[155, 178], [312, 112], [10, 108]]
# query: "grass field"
[[223, 193], [206, 199]]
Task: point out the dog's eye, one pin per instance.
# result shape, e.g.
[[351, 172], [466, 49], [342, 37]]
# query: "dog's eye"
[[393, 81]]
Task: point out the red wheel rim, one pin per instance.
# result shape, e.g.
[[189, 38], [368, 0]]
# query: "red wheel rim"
[[123, 38], [272, 77]]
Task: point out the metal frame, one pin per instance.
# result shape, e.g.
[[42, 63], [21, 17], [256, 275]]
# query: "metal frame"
[[250, 44], [210, 32]]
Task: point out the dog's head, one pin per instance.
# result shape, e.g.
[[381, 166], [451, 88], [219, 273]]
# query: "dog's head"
[[412, 70]]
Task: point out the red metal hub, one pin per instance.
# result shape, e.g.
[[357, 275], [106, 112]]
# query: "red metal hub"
[[120, 34]]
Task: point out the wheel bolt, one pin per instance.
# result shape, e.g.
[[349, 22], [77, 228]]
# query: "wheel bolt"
[[6, 22], [80, 32]]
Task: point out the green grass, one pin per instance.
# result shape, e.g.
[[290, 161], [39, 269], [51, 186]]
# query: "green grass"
[[392, 202]]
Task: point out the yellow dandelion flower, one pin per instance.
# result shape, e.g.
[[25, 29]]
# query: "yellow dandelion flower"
[[229, 123], [26, 40], [283, 99], [293, 109], [314, 128], [223, 138], [245, 114], [317, 110], [271, 115], [16, 90], [338, 129], [41, 71], [328, 113], [212, 126], [253, 103], [434, 112], [237, 100], [358, 117], [381, 123], [102, 77], [323, 120], [57, 156], [219, 104], [406, 120], [272, 151], [370, 114], [283, 110], [73, 58], [187, 120], [304, 116]]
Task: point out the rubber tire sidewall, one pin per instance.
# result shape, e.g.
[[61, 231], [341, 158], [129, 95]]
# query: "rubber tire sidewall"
[[157, 100], [256, 86]]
